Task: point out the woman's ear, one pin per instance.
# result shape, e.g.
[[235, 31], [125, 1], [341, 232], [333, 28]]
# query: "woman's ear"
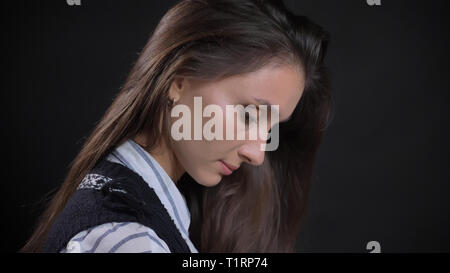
[[177, 88]]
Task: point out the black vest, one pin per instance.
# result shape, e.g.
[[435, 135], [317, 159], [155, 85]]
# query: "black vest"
[[113, 193]]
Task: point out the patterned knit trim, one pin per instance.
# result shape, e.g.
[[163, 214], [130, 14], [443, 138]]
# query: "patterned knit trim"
[[93, 181]]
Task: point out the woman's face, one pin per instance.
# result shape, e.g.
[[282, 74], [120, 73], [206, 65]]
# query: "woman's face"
[[204, 159]]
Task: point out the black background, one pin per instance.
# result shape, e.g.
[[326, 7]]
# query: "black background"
[[382, 171]]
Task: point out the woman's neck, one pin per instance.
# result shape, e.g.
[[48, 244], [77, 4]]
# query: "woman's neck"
[[164, 156]]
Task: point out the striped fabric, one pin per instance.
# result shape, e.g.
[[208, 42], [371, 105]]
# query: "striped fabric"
[[130, 236]]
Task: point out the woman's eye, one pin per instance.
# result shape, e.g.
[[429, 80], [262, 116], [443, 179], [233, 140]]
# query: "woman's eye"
[[249, 118]]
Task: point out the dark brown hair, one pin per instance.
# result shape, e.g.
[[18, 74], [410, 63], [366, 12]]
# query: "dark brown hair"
[[257, 208]]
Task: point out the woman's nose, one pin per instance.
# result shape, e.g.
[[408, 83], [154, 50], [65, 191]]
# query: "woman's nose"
[[251, 152]]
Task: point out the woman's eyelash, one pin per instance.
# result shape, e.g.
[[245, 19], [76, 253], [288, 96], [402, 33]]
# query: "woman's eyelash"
[[250, 118]]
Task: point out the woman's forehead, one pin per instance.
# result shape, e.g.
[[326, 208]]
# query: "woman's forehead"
[[280, 85]]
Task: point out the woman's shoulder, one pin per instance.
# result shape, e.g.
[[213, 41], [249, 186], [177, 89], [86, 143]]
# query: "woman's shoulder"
[[116, 237]]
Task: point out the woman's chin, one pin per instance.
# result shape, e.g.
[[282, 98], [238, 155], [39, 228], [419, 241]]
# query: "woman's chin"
[[210, 180]]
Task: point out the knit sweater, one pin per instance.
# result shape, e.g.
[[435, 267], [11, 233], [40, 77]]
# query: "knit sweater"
[[113, 194]]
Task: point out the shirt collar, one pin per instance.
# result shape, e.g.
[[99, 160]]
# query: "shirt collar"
[[133, 156]]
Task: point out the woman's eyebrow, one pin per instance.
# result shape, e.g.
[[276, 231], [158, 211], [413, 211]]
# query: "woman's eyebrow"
[[268, 104], [262, 101]]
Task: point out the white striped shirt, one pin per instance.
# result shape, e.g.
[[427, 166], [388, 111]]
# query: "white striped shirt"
[[132, 236]]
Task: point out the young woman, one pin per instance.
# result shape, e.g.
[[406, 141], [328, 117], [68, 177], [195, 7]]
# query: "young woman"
[[135, 188]]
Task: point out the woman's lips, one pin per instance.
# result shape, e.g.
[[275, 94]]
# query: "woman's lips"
[[225, 169]]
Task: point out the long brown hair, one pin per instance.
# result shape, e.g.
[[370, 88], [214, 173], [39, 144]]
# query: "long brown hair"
[[257, 208]]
